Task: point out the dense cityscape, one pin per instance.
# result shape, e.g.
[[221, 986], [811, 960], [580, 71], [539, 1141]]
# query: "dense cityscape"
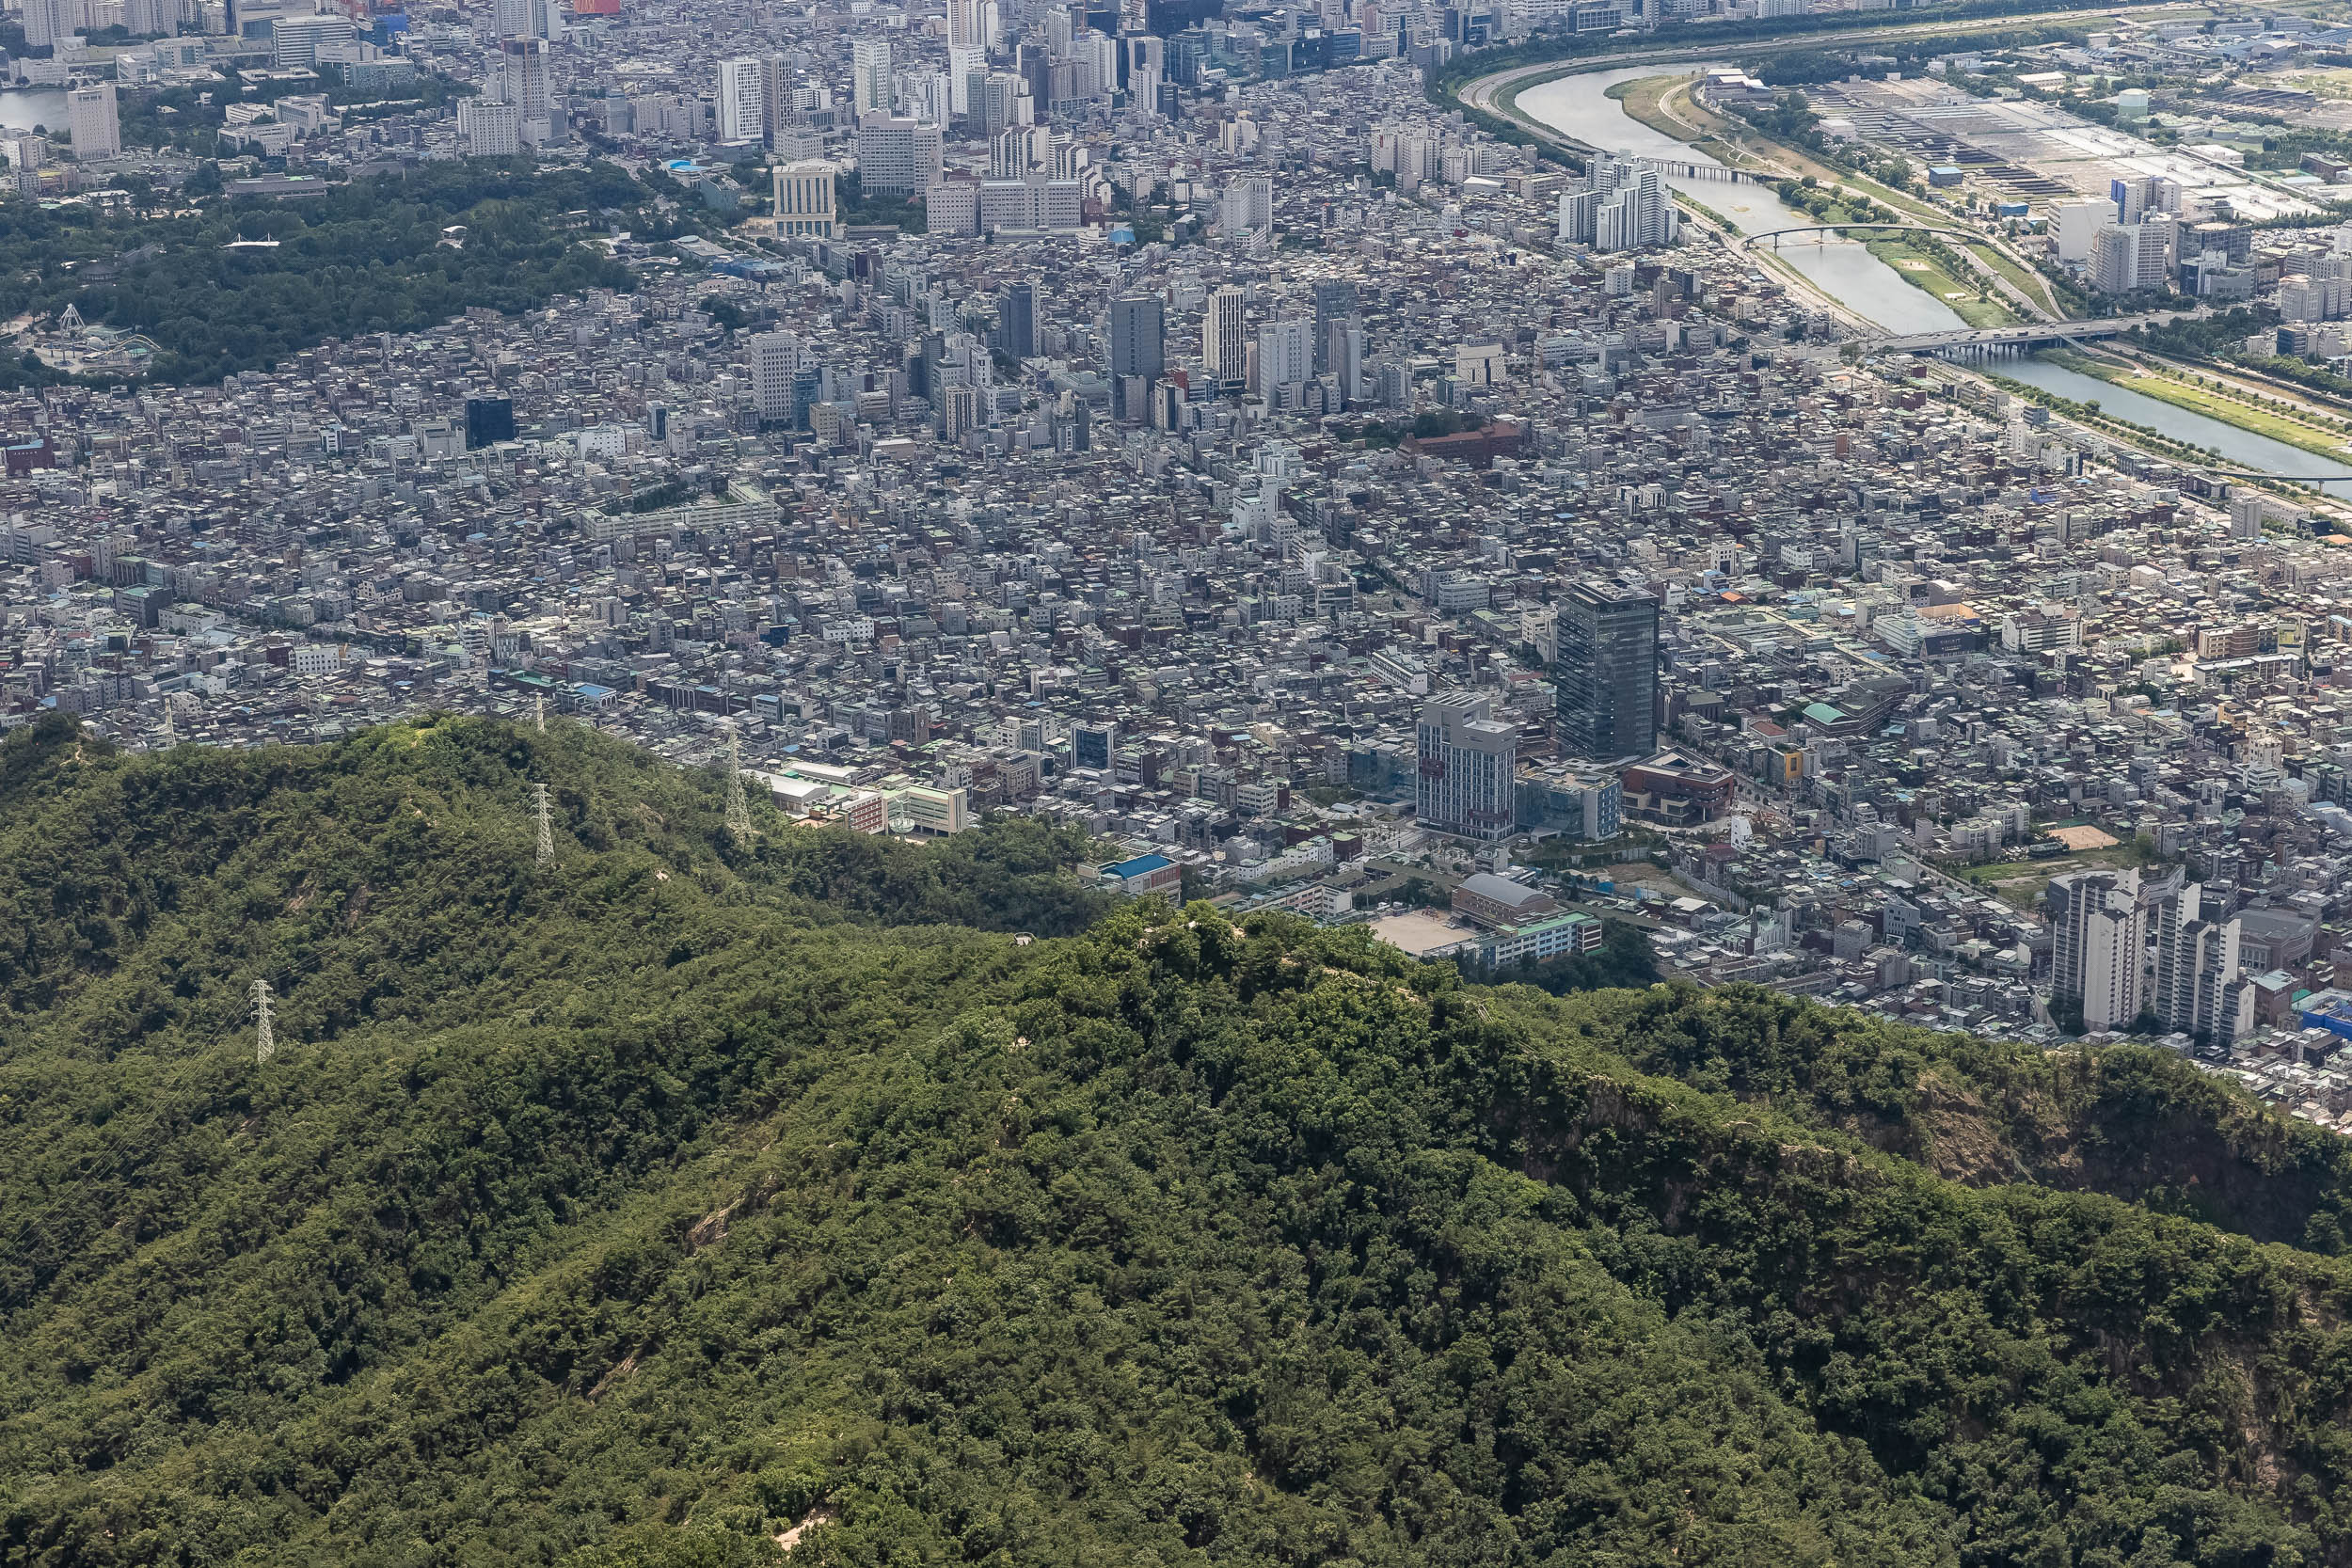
[[1254, 441]]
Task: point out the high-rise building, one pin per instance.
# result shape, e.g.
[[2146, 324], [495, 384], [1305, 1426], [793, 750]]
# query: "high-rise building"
[[1334, 300], [804, 198], [971, 24], [1635, 211], [869, 78], [521, 19], [2201, 990], [1093, 745], [775, 362], [743, 101], [2098, 934], [91, 115], [1016, 320], [1344, 356], [49, 22], [1138, 350], [1285, 359], [1605, 671], [296, 42], [491, 129], [525, 80], [1466, 758], [1223, 347], [488, 421], [898, 157], [2133, 255], [1248, 205]]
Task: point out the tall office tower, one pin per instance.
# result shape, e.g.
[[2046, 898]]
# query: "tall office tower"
[[488, 421], [91, 114], [1466, 761], [513, 18], [2201, 988], [490, 128], [804, 198], [775, 361], [1016, 319], [2097, 937], [870, 79], [1344, 356], [1223, 348], [528, 84], [742, 100], [1286, 360], [1334, 298], [1606, 672], [1138, 351]]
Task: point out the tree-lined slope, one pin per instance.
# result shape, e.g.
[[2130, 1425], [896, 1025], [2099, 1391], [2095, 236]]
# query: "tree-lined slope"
[[644, 1207]]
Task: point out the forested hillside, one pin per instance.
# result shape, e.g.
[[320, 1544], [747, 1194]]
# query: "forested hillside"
[[673, 1200]]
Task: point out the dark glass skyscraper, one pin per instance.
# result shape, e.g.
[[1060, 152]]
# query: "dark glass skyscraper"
[[1019, 320], [1138, 348], [1606, 673], [488, 422]]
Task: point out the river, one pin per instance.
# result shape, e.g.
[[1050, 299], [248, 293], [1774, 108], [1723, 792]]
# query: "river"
[[1580, 107], [2243, 448]]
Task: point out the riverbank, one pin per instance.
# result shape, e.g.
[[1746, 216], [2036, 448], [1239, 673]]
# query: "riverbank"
[[2180, 392]]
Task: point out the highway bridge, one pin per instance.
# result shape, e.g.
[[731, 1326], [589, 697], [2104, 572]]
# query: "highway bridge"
[[1776, 235], [2027, 334]]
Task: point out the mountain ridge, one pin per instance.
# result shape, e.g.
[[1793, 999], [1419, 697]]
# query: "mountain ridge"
[[638, 1209]]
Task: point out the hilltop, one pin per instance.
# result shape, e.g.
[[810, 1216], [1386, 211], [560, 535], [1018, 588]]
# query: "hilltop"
[[672, 1199]]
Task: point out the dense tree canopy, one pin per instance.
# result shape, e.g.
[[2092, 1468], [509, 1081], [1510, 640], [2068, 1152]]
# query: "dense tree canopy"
[[639, 1209], [366, 257]]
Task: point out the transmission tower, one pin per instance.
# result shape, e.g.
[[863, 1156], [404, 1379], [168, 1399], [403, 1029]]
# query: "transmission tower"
[[546, 822], [739, 809], [543, 716], [264, 1042]]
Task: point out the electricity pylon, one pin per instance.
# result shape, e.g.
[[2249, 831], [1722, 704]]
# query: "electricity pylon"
[[739, 809], [546, 822], [264, 1041]]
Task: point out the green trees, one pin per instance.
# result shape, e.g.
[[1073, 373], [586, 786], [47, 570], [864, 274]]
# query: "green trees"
[[366, 257], [636, 1211]]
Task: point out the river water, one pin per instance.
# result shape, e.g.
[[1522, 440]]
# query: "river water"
[[2243, 448], [1579, 106]]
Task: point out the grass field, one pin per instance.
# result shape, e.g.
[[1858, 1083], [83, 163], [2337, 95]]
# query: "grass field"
[[2020, 883], [2036, 289], [1922, 271]]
